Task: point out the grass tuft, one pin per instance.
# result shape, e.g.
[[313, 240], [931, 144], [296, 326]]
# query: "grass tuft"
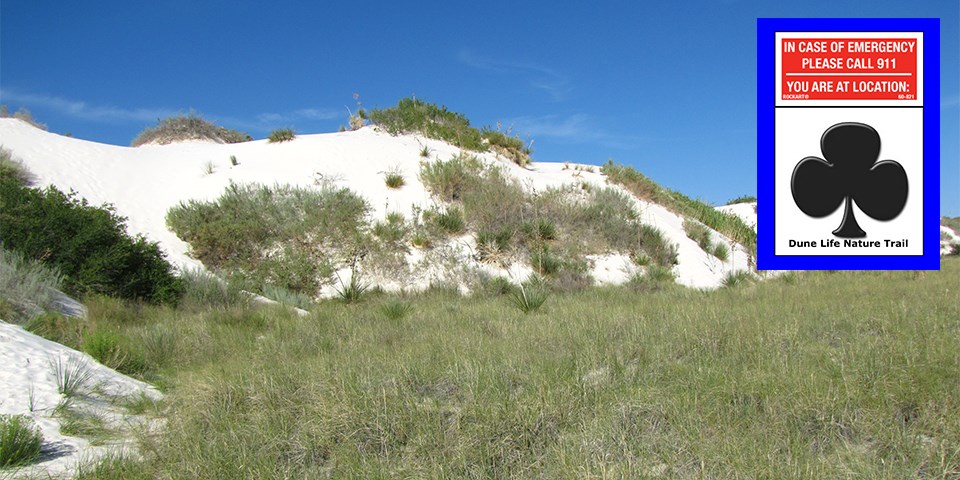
[[72, 375], [281, 135], [20, 441], [529, 298], [393, 178], [395, 309]]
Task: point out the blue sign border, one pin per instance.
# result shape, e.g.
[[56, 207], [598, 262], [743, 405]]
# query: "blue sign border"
[[767, 29]]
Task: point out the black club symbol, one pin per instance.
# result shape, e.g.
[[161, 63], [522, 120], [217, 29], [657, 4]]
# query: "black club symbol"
[[850, 172]]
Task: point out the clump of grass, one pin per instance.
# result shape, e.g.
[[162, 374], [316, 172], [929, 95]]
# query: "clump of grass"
[[13, 168], [188, 127], [281, 135], [395, 309], [393, 228], [425, 152], [20, 441], [448, 179], [742, 199], [27, 287], [233, 160], [645, 188], [354, 290], [412, 115], [450, 220], [110, 348], [509, 146], [287, 297], [529, 298], [72, 375], [204, 289], [393, 178], [737, 278], [209, 168], [21, 114], [721, 251], [491, 246]]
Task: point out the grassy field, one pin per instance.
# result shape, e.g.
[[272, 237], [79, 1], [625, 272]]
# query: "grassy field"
[[812, 375]]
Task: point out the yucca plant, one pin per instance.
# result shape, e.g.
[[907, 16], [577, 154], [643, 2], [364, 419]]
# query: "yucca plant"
[[395, 310], [352, 292], [528, 298]]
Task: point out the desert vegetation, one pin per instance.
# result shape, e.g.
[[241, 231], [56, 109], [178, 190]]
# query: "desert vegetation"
[[622, 381], [281, 135], [21, 114], [187, 127], [86, 244], [646, 189], [412, 115]]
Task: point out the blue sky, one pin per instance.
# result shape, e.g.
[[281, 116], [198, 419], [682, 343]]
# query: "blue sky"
[[667, 87]]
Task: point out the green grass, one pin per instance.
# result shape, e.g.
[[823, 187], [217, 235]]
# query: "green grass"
[[412, 115], [646, 189], [19, 441], [12, 167], [281, 135], [188, 127], [742, 199], [394, 178], [27, 287], [784, 379]]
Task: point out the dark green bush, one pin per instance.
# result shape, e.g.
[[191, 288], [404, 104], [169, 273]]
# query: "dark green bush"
[[188, 127], [412, 115], [88, 245]]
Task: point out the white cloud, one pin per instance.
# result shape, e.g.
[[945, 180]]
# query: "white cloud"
[[577, 128], [83, 110], [548, 80]]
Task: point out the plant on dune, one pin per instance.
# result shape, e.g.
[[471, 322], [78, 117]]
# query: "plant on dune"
[[88, 245], [393, 178], [721, 251], [728, 224], [187, 127], [737, 279], [281, 235], [13, 168], [19, 441], [357, 120], [281, 135], [71, 374], [21, 114], [742, 199], [28, 286], [425, 152], [509, 146]]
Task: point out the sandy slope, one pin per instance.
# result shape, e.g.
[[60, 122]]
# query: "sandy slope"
[[144, 182], [28, 386]]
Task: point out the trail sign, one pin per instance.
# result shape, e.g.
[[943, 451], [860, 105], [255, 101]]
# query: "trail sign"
[[848, 154]]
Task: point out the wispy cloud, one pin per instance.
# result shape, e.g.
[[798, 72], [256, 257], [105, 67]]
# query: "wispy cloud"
[[83, 110], [547, 80], [950, 101], [577, 128], [105, 113]]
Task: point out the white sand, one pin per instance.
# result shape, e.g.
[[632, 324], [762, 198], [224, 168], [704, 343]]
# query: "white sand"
[[144, 183], [28, 386]]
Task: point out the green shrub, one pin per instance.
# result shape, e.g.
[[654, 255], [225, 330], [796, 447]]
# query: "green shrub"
[[392, 230], [19, 441], [394, 179], [508, 146], [286, 236], [281, 135], [287, 297], [188, 127], [448, 179], [449, 221], [233, 160], [412, 115], [425, 152], [353, 291], [88, 245]]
